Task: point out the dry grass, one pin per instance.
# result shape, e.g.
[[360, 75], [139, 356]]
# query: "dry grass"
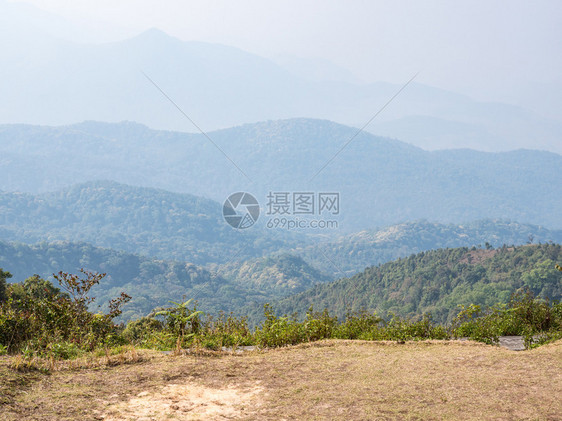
[[347, 380]]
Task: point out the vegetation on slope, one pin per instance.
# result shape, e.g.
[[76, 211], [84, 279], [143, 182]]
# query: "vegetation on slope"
[[438, 281], [392, 181], [38, 318], [137, 220], [153, 282], [352, 253]]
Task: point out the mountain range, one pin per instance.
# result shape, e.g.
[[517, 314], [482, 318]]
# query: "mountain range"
[[380, 181], [159, 246], [52, 76]]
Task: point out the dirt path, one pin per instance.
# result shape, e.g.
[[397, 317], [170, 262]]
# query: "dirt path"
[[189, 401]]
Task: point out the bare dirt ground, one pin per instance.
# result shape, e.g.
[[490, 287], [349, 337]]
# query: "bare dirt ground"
[[334, 380]]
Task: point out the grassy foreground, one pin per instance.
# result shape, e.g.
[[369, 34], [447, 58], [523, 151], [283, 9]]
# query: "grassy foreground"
[[329, 379]]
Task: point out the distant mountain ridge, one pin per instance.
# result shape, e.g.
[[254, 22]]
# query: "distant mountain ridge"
[[60, 82], [380, 181]]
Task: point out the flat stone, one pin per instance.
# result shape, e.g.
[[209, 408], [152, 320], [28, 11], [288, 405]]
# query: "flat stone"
[[513, 343]]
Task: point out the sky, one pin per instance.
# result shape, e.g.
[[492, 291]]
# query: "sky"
[[508, 51]]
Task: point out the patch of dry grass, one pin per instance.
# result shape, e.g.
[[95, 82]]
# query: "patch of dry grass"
[[344, 380]]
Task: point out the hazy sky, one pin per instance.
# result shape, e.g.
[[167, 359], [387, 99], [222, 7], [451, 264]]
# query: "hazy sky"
[[492, 50]]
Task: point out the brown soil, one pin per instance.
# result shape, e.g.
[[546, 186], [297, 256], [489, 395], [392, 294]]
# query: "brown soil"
[[339, 380], [475, 257]]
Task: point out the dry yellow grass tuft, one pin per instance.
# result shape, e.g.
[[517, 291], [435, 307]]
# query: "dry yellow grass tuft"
[[339, 380]]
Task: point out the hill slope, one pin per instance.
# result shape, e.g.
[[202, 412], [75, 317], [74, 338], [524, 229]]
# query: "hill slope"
[[138, 220], [392, 182], [349, 254], [153, 282], [438, 281], [281, 274]]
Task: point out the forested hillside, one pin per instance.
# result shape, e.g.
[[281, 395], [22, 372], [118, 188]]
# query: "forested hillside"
[[162, 224], [381, 181], [275, 275], [438, 282], [153, 282], [146, 221], [349, 254]]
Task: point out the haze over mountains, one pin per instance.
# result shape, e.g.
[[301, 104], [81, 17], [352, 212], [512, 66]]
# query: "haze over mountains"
[[98, 169], [380, 181], [243, 284], [57, 82]]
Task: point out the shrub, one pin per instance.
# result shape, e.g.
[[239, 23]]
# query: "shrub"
[[359, 325], [227, 331], [278, 331], [37, 315], [181, 321], [141, 329], [525, 315]]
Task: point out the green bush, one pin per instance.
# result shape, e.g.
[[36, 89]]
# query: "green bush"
[[279, 331], [141, 329], [525, 315], [223, 330], [37, 316], [180, 320], [359, 325], [319, 325], [63, 350]]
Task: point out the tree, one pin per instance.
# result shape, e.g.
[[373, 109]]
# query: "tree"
[[34, 287], [3, 277], [178, 317]]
